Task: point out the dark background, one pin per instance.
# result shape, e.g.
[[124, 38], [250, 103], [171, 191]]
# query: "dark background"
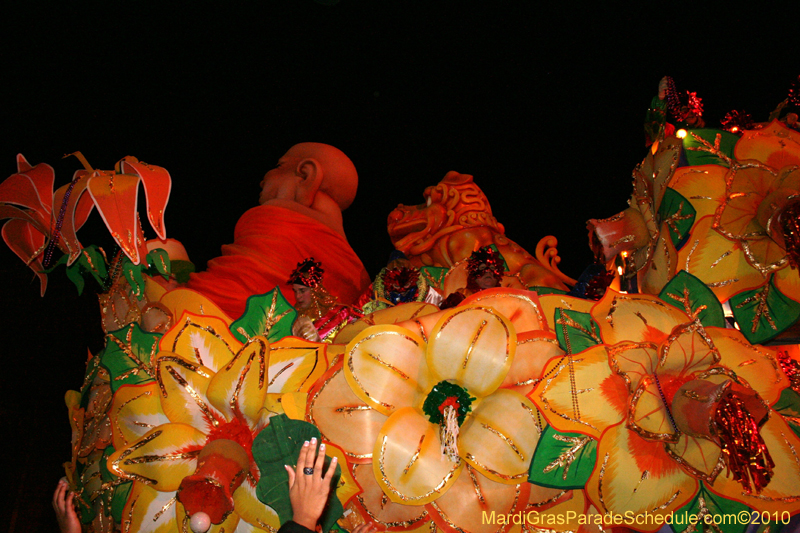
[[544, 105]]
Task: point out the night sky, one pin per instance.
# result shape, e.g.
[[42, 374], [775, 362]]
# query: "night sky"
[[544, 105]]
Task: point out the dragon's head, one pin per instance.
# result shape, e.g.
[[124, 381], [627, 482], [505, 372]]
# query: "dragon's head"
[[454, 204]]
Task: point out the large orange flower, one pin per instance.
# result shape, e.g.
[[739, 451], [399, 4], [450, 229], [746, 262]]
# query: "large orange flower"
[[631, 392]]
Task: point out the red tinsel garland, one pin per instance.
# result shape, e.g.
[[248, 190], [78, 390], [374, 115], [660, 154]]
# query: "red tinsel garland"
[[744, 449]]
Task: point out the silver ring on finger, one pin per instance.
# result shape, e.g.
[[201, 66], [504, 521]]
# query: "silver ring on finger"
[[308, 471]]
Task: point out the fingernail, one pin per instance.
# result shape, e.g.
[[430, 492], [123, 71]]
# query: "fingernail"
[[322, 446], [333, 461], [305, 443], [314, 440]]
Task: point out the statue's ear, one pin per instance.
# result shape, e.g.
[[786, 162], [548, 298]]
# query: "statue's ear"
[[309, 172]]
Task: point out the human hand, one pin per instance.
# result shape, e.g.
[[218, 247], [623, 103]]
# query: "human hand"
[[308, 493], [65, 510]]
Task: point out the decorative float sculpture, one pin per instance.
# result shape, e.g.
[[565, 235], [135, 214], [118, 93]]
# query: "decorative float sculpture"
[[513, 410]]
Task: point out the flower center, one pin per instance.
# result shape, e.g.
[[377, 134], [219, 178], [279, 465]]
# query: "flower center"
[[447, 405]]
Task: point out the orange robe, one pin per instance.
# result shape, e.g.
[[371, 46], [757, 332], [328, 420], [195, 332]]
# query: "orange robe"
[[268, 242]]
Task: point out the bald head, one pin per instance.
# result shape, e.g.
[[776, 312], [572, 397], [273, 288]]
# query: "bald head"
[[339, 176]]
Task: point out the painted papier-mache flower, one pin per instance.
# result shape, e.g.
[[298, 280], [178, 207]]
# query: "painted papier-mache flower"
[[681, 413], [746, 243], [432, 414], [183, 430]]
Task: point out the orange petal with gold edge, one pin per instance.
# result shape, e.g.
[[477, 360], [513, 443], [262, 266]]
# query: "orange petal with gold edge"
[[472, 498], [600, 395], [756, 364], [499, 436], [718, 262], [342, 417], [203, 340], [472, 346], [408, 462], [534, 350], [295, 364], [636, 475], [135, 410], [383, 366], [635, 318], [520, 307], [378, 508]]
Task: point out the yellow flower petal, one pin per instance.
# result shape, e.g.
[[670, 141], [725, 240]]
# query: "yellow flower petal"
[[342, 417], [550, 302], [633, 361], [240, 387], [180, 301], [183, 387], [149, 511], [203, 340], [776, 145], [638, 476], [635, 318], [247, 505], [750, 185], [701, 457], [688, 349], [500, 435], [661, 266], [757, 365], [647, 414], [473, 346], [718, 262], [161, 458], [377, 506], [563, 511], [408, 462], [703, 186], [595, 399], [295, 364], [383, 366], [135, 410], [471, 499]]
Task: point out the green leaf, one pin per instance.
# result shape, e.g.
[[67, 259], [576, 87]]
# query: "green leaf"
[[788, 406], [129, 356], [266, 314], [763, 313], [563, 460], [434, 276], [92, 368], [277, 445], [575, 331], [133, 273], [707, 502], [181, 270], [119, 490], [546, 290], [679, 214], [158, 262], [708, 152], [75, 276], [689, 294], [90, 261]]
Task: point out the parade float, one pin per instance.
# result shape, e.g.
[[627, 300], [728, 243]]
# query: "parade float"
[[669, 399]]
